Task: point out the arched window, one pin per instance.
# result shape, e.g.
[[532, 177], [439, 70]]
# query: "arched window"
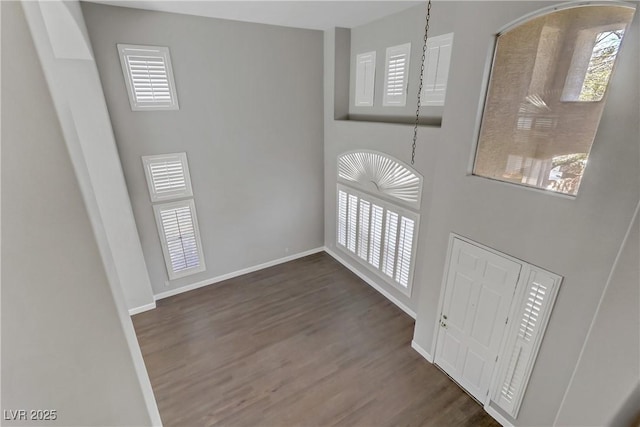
[[376, 219], [546, 95]]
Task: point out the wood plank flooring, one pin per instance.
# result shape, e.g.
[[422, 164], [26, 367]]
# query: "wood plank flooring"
[[305, 343]]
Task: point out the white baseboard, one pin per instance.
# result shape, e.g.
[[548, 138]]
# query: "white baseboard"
[[142, 308], [496, 416], [227, 276], [371, 283], [424, 353]]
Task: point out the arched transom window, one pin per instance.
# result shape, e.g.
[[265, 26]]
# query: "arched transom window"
[[377, 222]]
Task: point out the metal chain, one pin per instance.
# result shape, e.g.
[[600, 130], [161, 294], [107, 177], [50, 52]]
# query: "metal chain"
[[424, 54]]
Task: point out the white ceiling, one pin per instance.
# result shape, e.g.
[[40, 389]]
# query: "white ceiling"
[[313, 14]]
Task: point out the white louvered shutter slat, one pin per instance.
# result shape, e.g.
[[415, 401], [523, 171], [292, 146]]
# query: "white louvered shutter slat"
[[365, 79]]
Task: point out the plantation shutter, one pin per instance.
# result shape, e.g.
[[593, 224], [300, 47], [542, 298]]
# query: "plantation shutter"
[[436, 66], [181, 244], [405, 251], [396, 75], [365, 79], [376, 236], [363, 237], [149, 77], [533, 315], [352, 225], [167, 176], [342, 218]]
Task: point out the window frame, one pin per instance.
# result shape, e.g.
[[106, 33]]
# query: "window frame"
[[436, 97], [147, 161], [157, 210], [486, 80], [387, 207], [136, 105], [365, 99], [390, 100]]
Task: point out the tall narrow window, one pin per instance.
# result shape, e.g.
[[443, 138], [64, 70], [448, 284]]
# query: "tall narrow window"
[[546, 96], [168, 179], [436, 69], [377, 233], [181, 246], [365, 79]]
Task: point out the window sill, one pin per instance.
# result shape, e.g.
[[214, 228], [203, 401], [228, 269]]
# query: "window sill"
[[434, 122]]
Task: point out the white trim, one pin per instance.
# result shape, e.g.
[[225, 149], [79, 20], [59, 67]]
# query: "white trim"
[[142, 308], [371, 283], [431, 94], [595, 316], [237, 273], [421, 351], [497, 416], [396, 100]]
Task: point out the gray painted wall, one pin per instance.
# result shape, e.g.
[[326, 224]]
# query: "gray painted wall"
[[608, 373], [250, 120], [576, 238], [63, 345]]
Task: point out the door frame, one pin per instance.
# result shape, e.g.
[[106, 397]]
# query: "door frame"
[[517, 297]]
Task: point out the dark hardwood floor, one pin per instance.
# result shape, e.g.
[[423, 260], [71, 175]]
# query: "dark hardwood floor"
[[305, 343]]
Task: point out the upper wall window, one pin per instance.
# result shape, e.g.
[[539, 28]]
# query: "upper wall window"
[[396, 75], [546, 96], [149, 77]]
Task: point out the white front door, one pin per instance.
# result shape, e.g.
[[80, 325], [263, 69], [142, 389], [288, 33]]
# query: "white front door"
[[479, 289]]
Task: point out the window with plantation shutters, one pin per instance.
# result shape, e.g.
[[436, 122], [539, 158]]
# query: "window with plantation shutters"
[[371, 224], [148, 76], [378, 173], [525, 337], [167, 176], [378, 234], [181, 246], [365, 79], [436, 69], [396, 75]]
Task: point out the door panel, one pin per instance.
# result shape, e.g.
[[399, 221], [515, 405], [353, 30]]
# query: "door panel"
[[478, 294]]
